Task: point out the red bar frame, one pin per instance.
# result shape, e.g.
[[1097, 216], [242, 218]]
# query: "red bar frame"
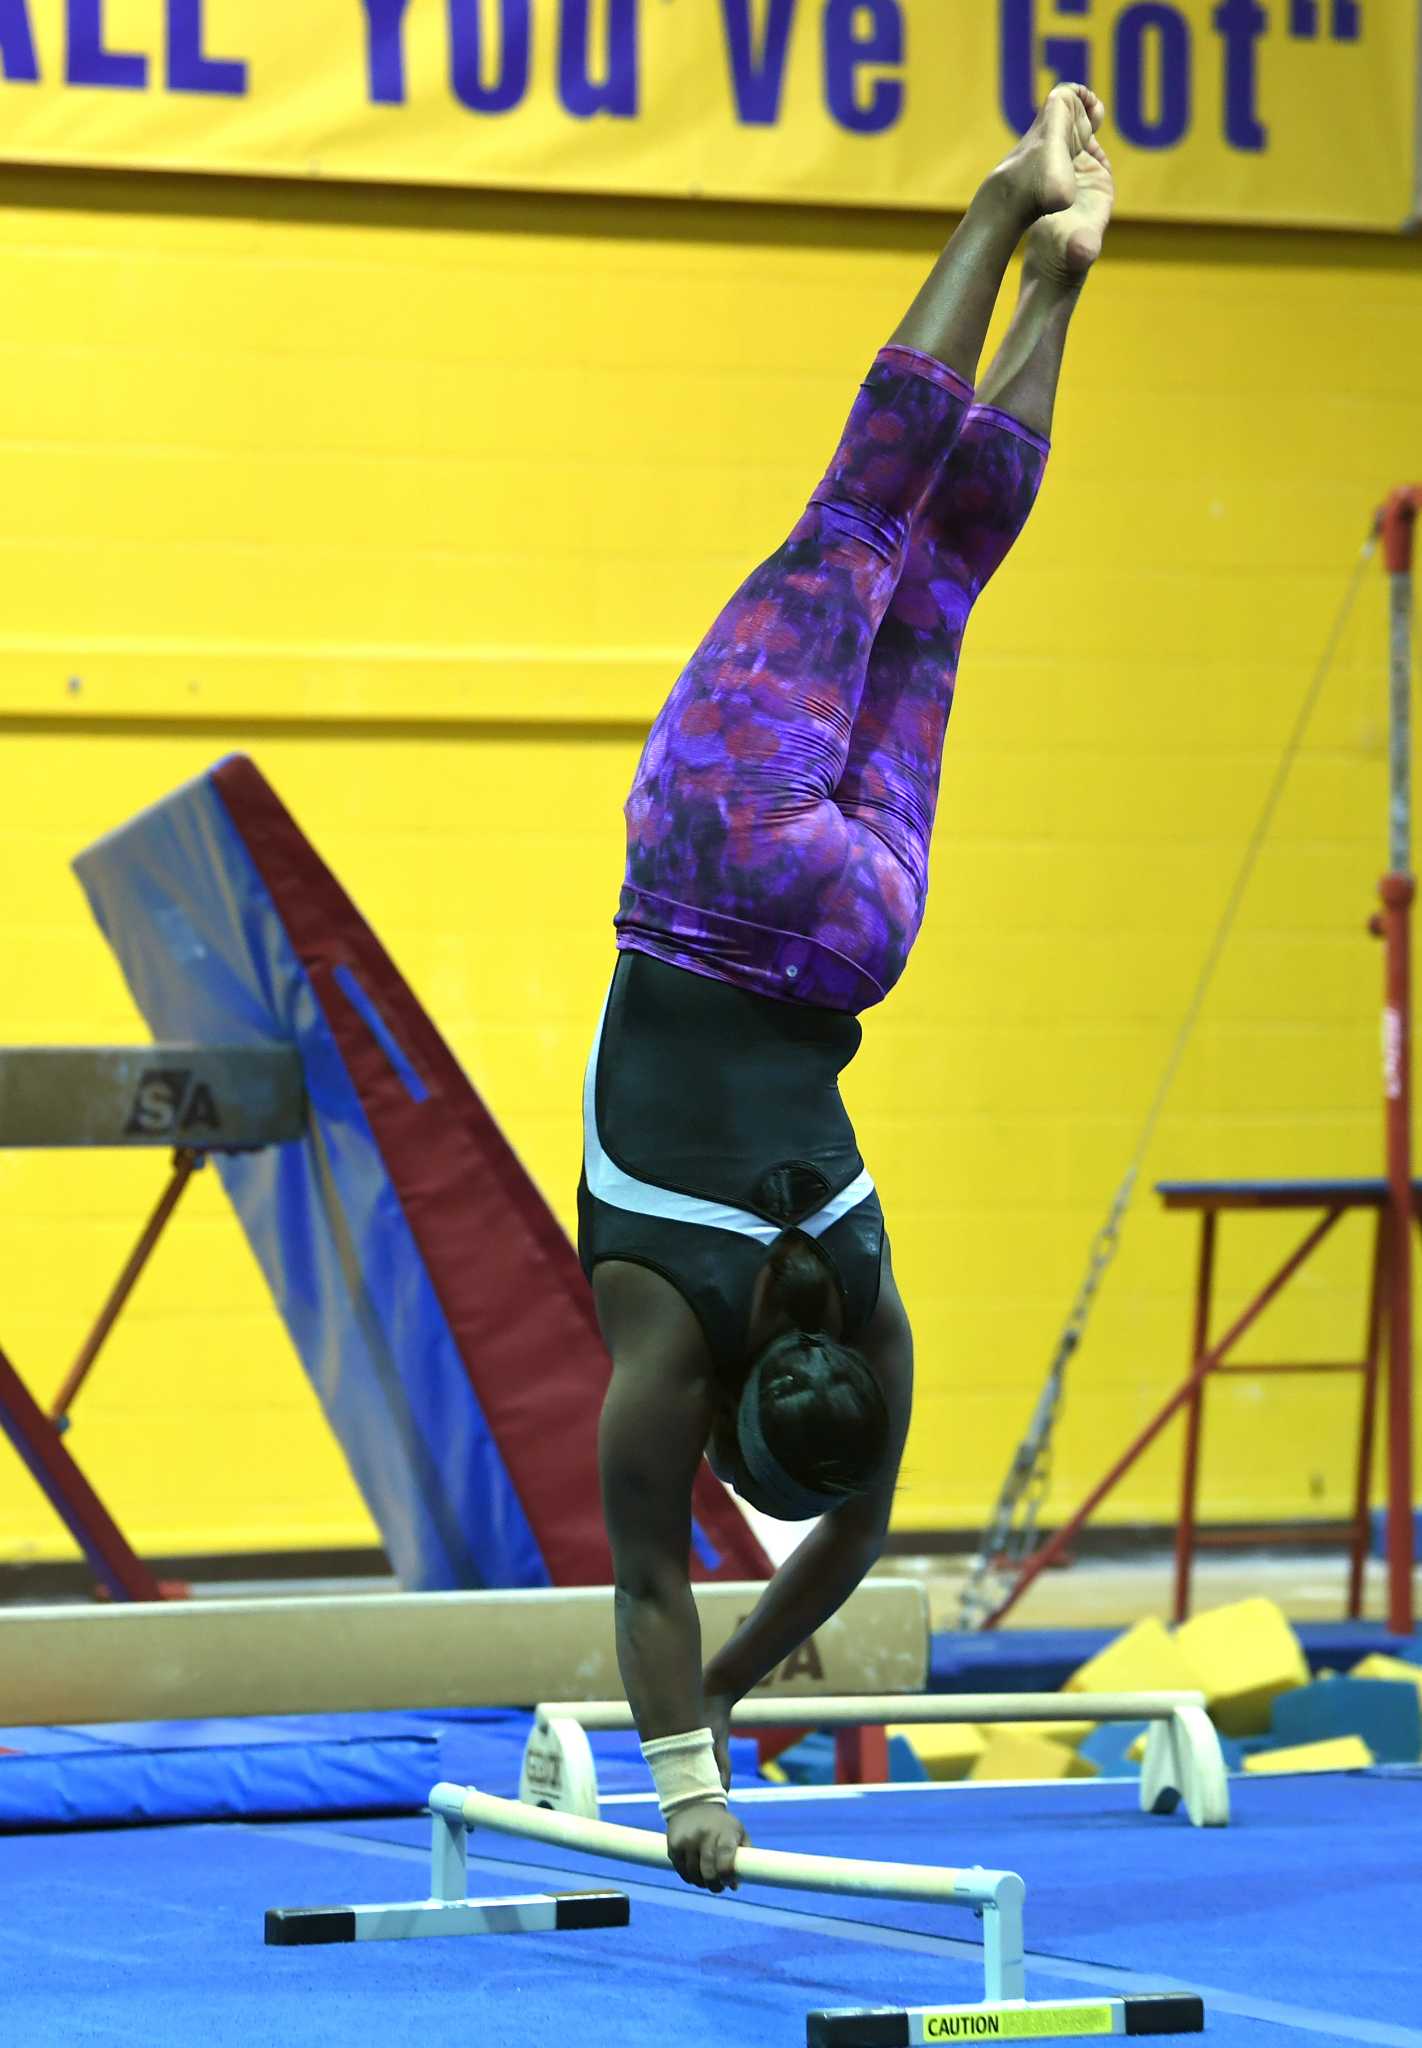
[[861, 1754], [1205, 1362], [185, 1164], [71, 1496], [1396, 526]]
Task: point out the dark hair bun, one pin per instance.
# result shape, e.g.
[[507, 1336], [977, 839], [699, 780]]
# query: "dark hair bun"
[[823, 1412]]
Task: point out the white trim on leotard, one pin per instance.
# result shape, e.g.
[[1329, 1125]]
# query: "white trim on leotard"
[[608, 1183]]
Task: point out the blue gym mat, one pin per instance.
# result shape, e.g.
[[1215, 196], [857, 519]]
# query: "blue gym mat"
[[1297, 1924], [129, 1773]]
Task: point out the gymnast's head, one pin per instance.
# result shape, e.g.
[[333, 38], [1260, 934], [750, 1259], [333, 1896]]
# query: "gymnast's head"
[[810, 1427]]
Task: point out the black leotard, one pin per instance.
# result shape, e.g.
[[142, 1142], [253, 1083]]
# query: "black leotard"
[[712, 1119]]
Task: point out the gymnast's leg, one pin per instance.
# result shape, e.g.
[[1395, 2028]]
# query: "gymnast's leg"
[[733, 831], [966, 526]]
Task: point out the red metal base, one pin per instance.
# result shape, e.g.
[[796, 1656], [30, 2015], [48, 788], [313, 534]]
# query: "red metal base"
[[74, 1500], [861, 1755]]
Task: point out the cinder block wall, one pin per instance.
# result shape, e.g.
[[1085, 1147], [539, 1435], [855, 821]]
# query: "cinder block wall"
[[421, 499]]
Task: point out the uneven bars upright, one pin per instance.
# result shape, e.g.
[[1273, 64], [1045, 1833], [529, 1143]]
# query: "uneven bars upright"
[[1396, 523]]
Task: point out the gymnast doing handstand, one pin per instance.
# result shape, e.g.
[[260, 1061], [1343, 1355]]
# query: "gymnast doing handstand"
[[777, 864]]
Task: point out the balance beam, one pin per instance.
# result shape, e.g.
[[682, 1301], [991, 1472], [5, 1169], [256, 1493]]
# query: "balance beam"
[[388, 1652], [205, 1097]]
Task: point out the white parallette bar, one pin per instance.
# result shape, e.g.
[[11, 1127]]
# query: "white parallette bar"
[[882, 1709], [842, 1875]]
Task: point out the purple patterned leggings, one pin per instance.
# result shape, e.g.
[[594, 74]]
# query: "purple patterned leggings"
[[779, 823]]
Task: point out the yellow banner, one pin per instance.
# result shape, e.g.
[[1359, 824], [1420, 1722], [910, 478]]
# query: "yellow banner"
[[1299, 111]]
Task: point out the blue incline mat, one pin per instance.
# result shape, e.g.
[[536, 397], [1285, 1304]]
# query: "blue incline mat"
[[436, 1304]]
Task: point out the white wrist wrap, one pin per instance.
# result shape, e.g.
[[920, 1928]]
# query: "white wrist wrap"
[[684, 1770]]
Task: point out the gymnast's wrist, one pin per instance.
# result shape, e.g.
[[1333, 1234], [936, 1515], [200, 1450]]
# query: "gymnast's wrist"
[[684, 1770]]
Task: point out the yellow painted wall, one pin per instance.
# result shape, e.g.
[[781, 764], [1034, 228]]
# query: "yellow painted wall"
[[421, 499]]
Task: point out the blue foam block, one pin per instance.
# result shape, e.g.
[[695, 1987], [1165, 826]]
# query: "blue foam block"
[[1385, 1712], [906, 1766], [810, 1761], [1107, 1744]]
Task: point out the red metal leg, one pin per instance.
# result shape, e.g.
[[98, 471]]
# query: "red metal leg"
[[861, 1756], [185, 1164], [1052, 1549], [69, 1492], [1397, 894], [1194, 1417], [1367, 1426]]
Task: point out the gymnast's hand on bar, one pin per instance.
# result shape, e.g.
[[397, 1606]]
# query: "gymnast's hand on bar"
[[702, 1841]]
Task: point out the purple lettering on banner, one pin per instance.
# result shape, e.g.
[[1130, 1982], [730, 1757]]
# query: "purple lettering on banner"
[[1017, 64], [616, 91], [758, 78], [1240, 24], [847, 47], [385, 39], [188, 69], [19, 64], [1152, 21], [1347, 21], [466, 43], [1068, 57], [90, 63]]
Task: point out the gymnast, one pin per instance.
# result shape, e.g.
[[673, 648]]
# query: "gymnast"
[[777, 864]]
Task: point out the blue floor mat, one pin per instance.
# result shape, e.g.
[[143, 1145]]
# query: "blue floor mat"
[[155, 1937], [1110, 1885]]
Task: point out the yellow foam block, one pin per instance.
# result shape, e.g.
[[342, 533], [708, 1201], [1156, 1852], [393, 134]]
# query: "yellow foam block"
[[1246, 1654], [947, 1752], [1136, 1753], [1340, 1753], [1010, 1754], [1069, 1732], [1147, 1658], [1378, 1666], [1052, 1731], [776, 1773]]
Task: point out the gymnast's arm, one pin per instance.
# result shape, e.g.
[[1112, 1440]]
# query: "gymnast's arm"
[[655, 1422], [819, 1576]]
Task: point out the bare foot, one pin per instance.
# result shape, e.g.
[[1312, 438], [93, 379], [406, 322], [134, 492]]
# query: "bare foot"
[[1038, 174], [1064, 244]]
